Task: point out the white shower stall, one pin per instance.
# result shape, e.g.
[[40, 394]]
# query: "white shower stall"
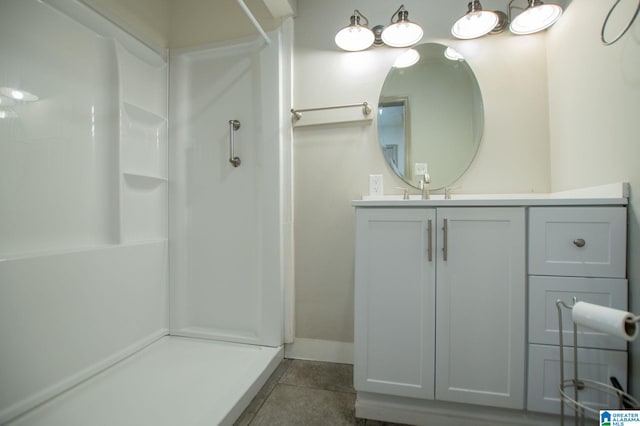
[[143, 278], [230, 290]]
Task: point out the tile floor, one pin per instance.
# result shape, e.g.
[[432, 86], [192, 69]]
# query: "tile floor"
[[306, 393]]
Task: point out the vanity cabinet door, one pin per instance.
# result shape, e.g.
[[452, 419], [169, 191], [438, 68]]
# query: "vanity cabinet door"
[[394, 301], [480, 306]]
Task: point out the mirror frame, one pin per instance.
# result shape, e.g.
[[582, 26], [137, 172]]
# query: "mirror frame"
[[476, 115]]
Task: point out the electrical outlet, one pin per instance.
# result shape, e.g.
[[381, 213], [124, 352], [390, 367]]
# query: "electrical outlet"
[[375, 185]]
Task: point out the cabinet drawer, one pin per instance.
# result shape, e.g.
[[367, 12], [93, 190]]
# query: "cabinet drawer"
[[578, 241], [543, 314], [594, 364]]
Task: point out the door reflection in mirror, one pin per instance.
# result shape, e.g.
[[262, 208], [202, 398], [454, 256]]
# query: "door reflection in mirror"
[[394, 133]]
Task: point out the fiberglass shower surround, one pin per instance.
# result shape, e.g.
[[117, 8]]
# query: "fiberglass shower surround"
[[92, 192]]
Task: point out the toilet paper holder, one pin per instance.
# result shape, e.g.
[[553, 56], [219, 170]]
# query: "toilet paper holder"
[[581, 410]]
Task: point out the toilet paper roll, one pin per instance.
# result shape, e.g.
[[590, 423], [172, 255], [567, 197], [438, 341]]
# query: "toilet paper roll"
[[607, 320]]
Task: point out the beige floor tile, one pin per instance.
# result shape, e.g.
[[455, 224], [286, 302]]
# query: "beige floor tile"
[[304, 406], [320, 375]]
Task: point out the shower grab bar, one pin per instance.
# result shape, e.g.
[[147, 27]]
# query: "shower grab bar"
[[233, 126]]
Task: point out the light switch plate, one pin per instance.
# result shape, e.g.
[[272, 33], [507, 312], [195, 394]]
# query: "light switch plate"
[[420, 169]]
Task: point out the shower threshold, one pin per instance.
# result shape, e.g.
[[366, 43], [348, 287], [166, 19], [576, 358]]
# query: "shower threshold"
[[174, 381]]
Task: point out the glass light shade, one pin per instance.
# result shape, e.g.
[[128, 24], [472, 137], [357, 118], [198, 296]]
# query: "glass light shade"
[[475, 24], [535, 18], [407, 59], [402, 34], [452, 54], [354, 38]]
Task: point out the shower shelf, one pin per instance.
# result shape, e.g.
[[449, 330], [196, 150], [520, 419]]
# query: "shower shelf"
[[144, 176], [143, 116], [143, 143]]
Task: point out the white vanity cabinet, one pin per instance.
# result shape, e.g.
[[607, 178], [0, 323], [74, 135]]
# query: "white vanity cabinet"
[[455, 316], [440, 301]]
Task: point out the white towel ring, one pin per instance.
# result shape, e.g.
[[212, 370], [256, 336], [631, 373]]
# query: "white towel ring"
[[606, 20]]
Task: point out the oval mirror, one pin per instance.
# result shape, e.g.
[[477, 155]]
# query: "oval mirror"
[[430, 115]]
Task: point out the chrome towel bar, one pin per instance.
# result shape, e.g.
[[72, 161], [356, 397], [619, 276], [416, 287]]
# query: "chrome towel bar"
[[297, 113]]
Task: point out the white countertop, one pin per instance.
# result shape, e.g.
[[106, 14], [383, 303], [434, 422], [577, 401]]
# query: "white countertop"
[[611, 194]]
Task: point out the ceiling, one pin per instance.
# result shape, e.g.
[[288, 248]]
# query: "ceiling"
[[183, 23]]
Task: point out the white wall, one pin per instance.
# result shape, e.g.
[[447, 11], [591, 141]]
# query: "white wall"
[[332, 162], [594, 105]]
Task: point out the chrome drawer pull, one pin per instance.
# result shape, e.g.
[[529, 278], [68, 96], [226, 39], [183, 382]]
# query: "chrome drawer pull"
[[579, 242]]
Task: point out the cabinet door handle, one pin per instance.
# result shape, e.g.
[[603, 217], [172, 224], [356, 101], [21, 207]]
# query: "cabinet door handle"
[[444, 240], [430, 240], [579, 242]]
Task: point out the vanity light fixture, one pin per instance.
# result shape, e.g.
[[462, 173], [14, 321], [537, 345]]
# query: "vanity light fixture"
[[355, 36], [537, 16], [399, 33], [402, 32], [478, 22]]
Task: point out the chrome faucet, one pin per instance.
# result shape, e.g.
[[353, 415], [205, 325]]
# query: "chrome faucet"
[[405, 192], [424, 186], [447, 192]]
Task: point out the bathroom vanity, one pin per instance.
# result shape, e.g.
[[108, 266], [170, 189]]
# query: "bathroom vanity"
[[455, 315]]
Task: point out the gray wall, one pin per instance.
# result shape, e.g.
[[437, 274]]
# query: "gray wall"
[[332, 162]]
